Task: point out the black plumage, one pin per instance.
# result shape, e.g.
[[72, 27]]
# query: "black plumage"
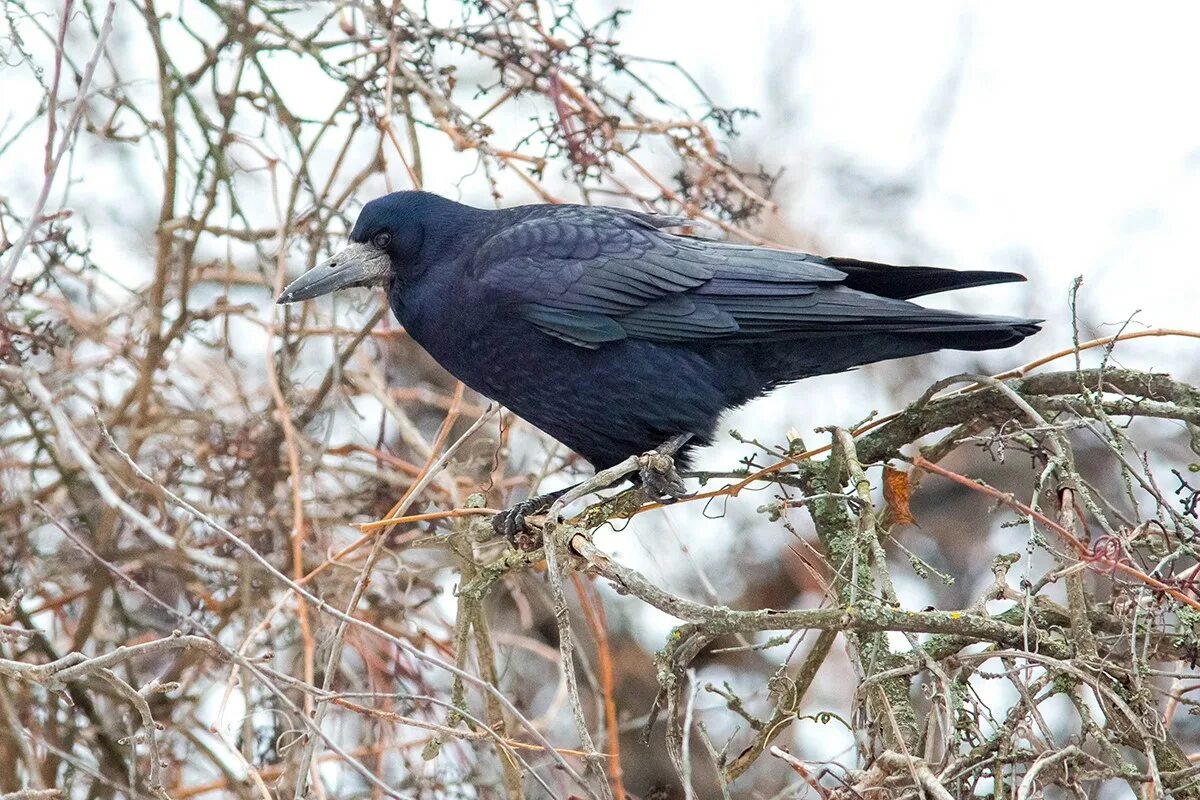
[[613, 334]]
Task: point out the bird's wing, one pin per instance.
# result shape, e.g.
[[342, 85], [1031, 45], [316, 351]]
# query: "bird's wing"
[[591, 275]]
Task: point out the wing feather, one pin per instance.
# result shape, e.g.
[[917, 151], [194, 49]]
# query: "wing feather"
[[590, 275]]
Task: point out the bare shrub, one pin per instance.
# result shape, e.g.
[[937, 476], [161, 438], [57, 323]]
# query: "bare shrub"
[[192, 602]]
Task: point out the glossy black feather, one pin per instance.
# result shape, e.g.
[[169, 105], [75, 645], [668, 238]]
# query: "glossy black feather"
[[585, 275]]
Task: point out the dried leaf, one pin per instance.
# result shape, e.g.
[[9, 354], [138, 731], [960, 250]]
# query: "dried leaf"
[[895, 494]]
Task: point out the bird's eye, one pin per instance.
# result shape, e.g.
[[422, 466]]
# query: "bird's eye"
[[382, 240]]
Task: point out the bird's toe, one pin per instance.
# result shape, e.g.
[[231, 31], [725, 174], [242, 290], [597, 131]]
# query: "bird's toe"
[[659, 478], [513, 526]]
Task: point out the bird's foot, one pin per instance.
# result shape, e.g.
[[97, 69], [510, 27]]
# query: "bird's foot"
[[659, 479], [513, 523]]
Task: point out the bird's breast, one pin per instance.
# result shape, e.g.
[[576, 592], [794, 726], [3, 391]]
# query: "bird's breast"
[[451, 326]]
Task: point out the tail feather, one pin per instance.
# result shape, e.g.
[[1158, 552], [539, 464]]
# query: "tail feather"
[[977, 333], [823, 355], [903, 283]]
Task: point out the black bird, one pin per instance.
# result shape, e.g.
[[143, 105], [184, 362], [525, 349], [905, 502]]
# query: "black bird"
[[613, 334]]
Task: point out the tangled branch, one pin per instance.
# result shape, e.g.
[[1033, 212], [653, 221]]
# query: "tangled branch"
[[246, 551]]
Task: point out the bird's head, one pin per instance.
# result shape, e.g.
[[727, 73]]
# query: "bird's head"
[[387, 243]]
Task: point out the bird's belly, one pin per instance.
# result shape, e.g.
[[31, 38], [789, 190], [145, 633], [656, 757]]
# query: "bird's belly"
[[606, 404]]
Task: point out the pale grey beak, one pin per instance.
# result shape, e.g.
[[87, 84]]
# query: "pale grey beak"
[[356, 265]]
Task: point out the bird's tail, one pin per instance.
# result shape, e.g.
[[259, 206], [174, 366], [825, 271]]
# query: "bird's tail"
[[939, 330], [972, 332], [771, 365], [904, 283]]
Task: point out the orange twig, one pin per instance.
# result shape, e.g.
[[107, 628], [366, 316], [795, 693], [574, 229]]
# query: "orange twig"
[[439, 440], [368, 527], [593, 613], [284, 412]]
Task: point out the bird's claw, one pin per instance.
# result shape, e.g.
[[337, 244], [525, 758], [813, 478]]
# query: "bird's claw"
[[659, 478], [515, 526]]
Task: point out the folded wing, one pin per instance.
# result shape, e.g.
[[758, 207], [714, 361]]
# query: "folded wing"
[[590, 275]]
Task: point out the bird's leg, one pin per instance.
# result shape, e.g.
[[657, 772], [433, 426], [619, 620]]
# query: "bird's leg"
[[656, 477], [510, 523], [659, 479]]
